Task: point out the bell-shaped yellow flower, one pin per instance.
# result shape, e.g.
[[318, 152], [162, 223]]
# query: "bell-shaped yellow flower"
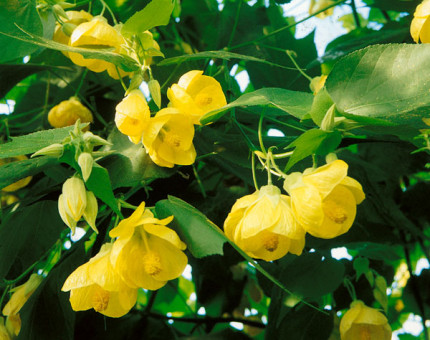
[[196, 94], [18, 184], [21, 294], [132, 115], [420, 25], [262, 225], [324, 200], [68, 112], [146, 253], [96, 285], [75, 19], [168, 139], [362, 322], [97, 33]]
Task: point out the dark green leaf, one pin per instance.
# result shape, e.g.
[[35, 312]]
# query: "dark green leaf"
[[33, 142], [99, 183], [156, 13], [24, 14], [12, 172], [27, 234], [297, 104], [361, 266], [385, 82], [202, 237], [311, 275]]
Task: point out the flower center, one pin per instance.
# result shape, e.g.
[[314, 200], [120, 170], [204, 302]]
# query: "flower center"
[[152, 263], [365, 333], [100, 299], [170, 138], [334, 211], [203, 100], [271, 243]]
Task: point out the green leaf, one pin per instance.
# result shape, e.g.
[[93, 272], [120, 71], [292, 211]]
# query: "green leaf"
[[361, 266], [311, 142], [377, 251], [311, 275], [24, 14], [156, 13], [130, 165], [27, 234], [384, 82], [224, 55], [202, 237], [99, 183], [12, 172], [33, 142], [295, 103], [124, 62]]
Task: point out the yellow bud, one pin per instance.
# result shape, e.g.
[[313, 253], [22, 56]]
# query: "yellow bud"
[[21, 294], [91, 209], [67, 219], [68, 112], [75, 197], [13, 324], [85, 161], [4, 334]]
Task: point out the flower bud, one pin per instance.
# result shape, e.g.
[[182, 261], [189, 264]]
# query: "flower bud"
[[68, 28], [327, 123], [68, 112], [154, 89], [59, 11], [67, 219], [13, 324], [75, 197], [85, 161], [53, 150], [4, 334], [90, 213], [90, 138]]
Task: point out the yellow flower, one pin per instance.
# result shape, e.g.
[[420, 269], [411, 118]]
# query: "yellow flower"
[[420, 25], [262, 225], [75, 202], [196, 94], [168, 139], [13, 324], [75, 18], [146, 253], [18, 184], [362, 322], [96, 285], [68, 112], [132, 115], [97, 33], [21, 294], [324, 200], [4, 333]]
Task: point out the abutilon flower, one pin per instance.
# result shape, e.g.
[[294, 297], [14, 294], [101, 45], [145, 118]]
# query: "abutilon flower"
[[132, 115], [147, 253], [324, 200], [420, 25], [262, 225], [18, 184], [75, 202], [363, 322], [68, 112], [97, 32], [168, 139], [97, 285], [21, 294], [196, 94]]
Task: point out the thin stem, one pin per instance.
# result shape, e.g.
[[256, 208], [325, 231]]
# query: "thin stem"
[[236, 21], [355, 14], [151, 302], [254, 177], [3, 296], [286, 27], [199, 182], [268, 167], [171, 75], [260, 136], [350, 288], [78, 89], [303, 73], [120, 79]]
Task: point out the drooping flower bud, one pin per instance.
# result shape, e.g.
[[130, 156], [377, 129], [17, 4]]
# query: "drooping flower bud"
[[91, 209], [74, 197], [53, 150], [68, 112], [85, 161]]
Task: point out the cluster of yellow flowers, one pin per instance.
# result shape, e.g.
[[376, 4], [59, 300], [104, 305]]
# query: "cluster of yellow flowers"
[[322, 202], [168, 136], [145, 254], [10, 328]]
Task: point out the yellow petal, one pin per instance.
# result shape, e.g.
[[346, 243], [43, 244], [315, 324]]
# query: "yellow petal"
[[355, 188], [307, 207], [101, 271], [425, 31], [266, 245], [188, 77], [165, 233], [125, 228]]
